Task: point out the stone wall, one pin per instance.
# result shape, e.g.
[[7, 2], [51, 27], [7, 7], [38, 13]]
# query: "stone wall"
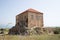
[[35, 19]]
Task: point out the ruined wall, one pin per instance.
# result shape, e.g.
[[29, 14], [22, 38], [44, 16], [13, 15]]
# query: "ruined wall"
[[22, 22], [27, 20]]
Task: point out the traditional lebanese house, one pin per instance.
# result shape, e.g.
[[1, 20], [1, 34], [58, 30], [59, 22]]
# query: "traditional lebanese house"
[[27, 20]]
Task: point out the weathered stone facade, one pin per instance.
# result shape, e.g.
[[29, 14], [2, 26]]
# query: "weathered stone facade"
[[27, 20]]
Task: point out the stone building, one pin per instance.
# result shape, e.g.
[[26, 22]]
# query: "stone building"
[[27, 20]]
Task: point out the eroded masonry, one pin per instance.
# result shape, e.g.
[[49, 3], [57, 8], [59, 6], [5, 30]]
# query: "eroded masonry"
[[27, 20]]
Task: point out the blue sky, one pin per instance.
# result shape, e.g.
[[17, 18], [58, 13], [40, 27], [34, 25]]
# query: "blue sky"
[[10, 8]]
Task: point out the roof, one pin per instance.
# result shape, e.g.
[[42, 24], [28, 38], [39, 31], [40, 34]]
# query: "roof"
[[30, 10]]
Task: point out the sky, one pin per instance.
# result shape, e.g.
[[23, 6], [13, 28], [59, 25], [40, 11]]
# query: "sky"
[[10, 8]]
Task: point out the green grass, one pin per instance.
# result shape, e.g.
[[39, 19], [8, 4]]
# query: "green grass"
[[31, 37]]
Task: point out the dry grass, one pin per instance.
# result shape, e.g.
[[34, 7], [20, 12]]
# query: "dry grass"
[[31, 37]]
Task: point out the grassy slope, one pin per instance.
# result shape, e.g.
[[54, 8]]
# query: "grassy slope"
[[33, 37]]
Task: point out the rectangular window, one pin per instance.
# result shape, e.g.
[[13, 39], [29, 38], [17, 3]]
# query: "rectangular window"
[[32, 17], [38, 17]]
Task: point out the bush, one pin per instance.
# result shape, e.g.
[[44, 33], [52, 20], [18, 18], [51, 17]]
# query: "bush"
[[57, 30], [34, 31]]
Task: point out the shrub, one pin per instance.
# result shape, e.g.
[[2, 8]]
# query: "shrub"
[[57, 30]]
